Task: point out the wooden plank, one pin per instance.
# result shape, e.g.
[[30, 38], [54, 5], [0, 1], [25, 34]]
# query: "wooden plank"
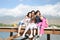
[[12, 37], [8, 29], [5, 30], [47, 31], [16, 36], [0, 38], [56, 32]]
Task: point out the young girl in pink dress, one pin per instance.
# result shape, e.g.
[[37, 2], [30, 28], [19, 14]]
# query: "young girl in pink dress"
[[41, 23]]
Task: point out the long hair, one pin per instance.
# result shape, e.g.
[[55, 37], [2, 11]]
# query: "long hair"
[[32, 11], [37, 12], [28, 14], [33, 19]]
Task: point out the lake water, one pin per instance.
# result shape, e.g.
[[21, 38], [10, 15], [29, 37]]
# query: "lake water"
[[53, 37]]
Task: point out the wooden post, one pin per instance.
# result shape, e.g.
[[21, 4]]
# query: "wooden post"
[[11, 34], [48, 36]]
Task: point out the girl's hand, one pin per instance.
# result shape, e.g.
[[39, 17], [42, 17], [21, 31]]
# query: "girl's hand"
[[41, 17], [46, 21]]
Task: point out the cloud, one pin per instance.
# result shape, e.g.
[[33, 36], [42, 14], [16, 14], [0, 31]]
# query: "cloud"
[[22, 9]]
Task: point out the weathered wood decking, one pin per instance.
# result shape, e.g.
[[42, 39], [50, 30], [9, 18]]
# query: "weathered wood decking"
[[47, 31]]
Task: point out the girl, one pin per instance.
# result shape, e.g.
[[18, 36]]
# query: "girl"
[[38, 20], [41, 23], [25, 22], [30, 26], [33, 16]]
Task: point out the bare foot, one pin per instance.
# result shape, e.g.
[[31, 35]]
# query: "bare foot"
[[18, 34]]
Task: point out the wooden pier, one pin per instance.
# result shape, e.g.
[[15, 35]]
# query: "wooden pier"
[[47, 31]]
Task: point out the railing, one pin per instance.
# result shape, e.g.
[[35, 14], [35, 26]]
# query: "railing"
[[47, 31]]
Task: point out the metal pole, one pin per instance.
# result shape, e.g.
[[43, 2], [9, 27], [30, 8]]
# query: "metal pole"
[[48, 36], [11, 34]]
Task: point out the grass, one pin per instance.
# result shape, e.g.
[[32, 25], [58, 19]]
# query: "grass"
[[54, 25], [1, 25], [11, 25]]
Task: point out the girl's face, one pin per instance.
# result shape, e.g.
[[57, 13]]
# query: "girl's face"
[[30, 15], [38, 14], [33, 14]]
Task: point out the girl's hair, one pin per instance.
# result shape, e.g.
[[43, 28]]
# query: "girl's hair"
[[37, 12], [28, 14], [33, 19], [32, 11]]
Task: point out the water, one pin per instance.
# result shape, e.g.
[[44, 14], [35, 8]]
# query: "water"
[[53, 37]]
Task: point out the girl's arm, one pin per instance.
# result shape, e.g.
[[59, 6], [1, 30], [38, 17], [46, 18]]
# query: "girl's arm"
[[46, 21], [25, 18]]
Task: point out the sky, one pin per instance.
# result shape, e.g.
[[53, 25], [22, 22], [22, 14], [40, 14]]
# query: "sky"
[[22, 7]]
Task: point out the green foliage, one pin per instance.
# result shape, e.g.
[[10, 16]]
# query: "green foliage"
[[1, 24], [54, 25], [11, 25]]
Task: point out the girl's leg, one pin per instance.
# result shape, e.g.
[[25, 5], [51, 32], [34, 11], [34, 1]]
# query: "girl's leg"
[[32, 27], [19, 28], [38, 30], [31, 35], [38, 25], [34, 32], [27, 28], [35, 27], [41, 31]]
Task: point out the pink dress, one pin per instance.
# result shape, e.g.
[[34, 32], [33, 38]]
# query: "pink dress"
[[42, 25]]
